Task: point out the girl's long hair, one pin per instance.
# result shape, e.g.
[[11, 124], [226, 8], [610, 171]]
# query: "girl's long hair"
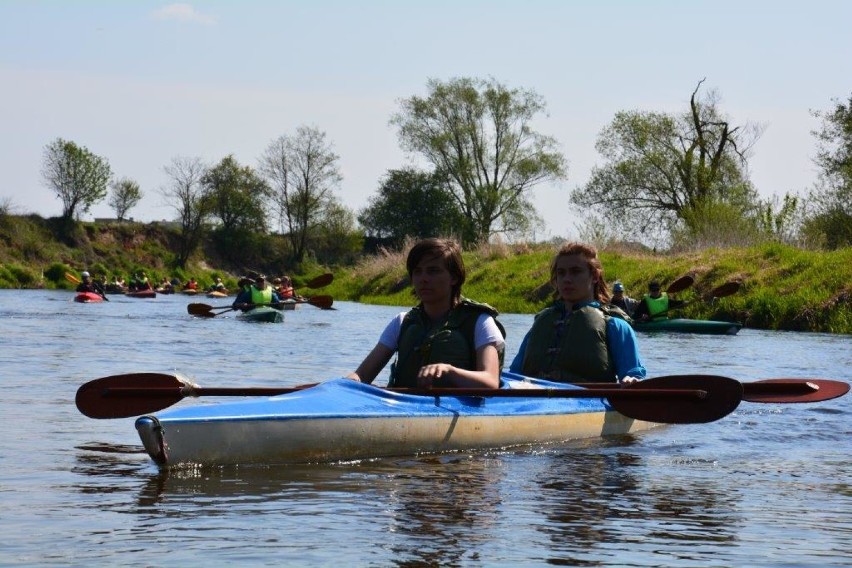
[[590, 253]]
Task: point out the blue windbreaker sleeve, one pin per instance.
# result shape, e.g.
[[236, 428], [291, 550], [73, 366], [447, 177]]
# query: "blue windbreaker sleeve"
[[624, 349], [518, 361]]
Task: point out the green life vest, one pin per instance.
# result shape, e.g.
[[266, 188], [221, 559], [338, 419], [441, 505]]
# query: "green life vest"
[[452, 342], [570, 347], [657, 306], [261, 296]]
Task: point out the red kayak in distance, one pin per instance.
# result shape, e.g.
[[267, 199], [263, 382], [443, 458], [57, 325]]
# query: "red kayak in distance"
[[142, 294], [88, 297]]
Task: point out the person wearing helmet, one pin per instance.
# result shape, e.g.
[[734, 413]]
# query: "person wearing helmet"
[[87, 285], [621, 300]]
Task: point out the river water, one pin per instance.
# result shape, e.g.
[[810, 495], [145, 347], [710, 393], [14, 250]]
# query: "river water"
[[769, 485]]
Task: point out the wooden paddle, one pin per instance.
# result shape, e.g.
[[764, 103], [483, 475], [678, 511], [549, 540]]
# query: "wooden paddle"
[[320, 281], [71, 278], [788, 390], [721, 291], [676, 399], [207, 311], [681, 284]]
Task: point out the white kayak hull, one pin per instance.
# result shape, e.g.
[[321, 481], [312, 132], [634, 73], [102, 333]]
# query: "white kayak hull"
[[356, 421]]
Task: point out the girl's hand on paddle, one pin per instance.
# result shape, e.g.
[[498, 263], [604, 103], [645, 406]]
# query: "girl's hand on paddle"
[[629, 380], [430, 374]]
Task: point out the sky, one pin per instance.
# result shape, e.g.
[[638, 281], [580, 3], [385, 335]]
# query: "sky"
[[141, 83]]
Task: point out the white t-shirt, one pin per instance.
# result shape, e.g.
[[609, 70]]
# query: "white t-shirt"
[[486, 332]]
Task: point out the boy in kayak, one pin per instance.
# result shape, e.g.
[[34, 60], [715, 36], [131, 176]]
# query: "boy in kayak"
[[257, 294], [446, 340], [87, 285], [655, 304], [580, 337], [623, 301]]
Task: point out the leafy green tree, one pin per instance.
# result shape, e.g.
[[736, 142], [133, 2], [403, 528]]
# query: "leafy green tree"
[[78, 176], [478, 134], [303, 173], [338, 240], [236, 196], [829, 220], [664, 170], [185, 193], [125, 195], [411, 204]]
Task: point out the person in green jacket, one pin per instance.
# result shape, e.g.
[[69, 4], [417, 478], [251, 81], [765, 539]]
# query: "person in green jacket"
[[655, 305], [446, 340]]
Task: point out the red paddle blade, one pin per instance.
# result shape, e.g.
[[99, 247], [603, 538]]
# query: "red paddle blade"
[[680, 284], [320, 281], [723, 396], [322, 302], [725, 289], [793, 390], [123, 396]]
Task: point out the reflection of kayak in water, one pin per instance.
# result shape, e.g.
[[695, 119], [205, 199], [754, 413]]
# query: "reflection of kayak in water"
[[262, 314], [88, 297], [689, 326]]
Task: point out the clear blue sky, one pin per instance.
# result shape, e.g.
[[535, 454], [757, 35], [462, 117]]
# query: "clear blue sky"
[[140, 83]]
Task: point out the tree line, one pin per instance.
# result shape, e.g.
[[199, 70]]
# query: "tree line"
[[672, 179]]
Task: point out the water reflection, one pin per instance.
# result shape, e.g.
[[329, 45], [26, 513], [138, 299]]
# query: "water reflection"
[[597, 501]]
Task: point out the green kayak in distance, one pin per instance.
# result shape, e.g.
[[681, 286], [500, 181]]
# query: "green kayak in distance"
[[262, 314], [689, 326]]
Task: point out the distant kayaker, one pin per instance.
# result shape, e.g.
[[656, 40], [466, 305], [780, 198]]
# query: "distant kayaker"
[[259, 293], [623, 301], [191, 284], [655, 304], [285, 288], [87, 285], [580, 337], [446, 340]]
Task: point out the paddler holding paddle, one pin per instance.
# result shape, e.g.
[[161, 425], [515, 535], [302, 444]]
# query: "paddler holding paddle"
[[655, 304], [446, 340], [580, 337], [259, 293]]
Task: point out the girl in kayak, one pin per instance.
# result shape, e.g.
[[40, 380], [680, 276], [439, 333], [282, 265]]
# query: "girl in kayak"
[[580, 337], [446, 340]]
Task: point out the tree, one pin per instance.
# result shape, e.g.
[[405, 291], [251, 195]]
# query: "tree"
[[663, 170], [186, 194], [411, 204], [477, 133], [125, 195], [78, 176], [303, 172], [829, 219], [236, 196]]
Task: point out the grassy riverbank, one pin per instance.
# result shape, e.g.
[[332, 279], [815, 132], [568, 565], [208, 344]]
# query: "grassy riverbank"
[[783, 288]]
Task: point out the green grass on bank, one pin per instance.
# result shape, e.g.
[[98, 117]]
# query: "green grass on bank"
[[783, 288]]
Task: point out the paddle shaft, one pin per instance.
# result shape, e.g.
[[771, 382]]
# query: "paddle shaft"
[[169, 392]]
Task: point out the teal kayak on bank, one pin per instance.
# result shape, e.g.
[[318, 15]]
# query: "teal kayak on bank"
[[262, 314], [683, 325]]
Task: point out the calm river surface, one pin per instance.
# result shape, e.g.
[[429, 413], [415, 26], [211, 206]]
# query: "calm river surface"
[[770, 485]]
